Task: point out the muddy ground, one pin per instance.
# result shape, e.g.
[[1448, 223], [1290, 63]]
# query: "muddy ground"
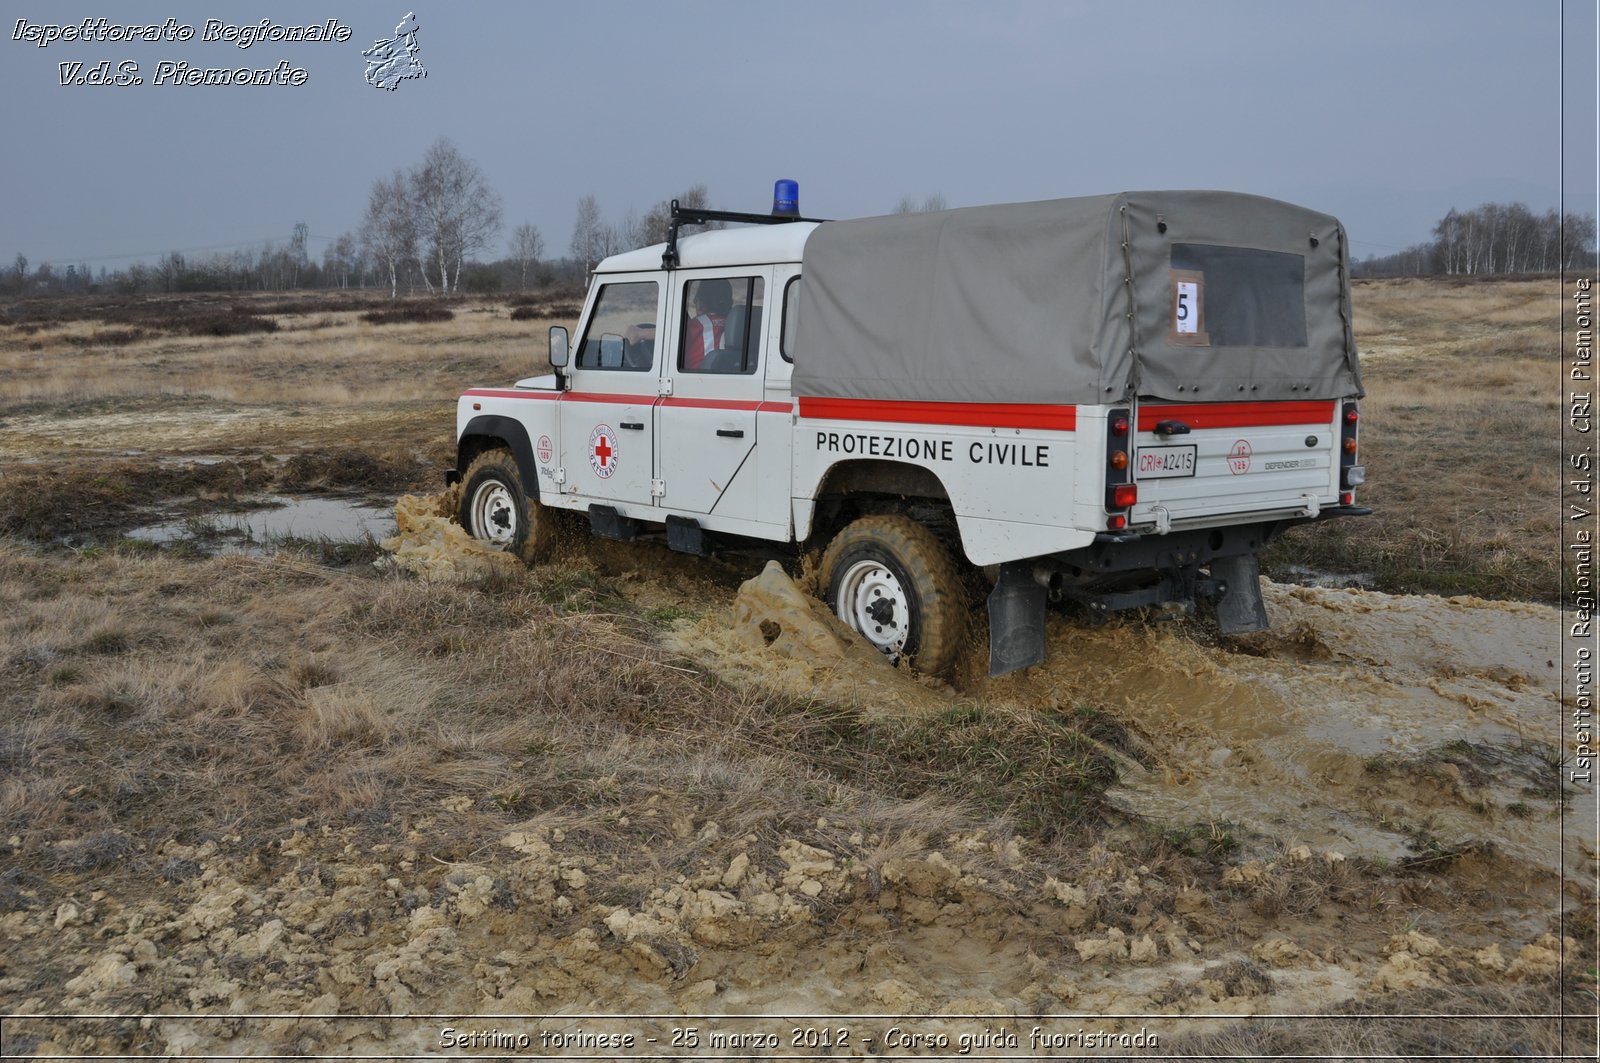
[[291, 794]]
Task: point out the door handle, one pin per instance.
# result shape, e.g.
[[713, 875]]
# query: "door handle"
[[731, 433], [637, 426]]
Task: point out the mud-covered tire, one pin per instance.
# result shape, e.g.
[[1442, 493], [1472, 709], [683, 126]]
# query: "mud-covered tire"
[[892, 580], [497, 512]]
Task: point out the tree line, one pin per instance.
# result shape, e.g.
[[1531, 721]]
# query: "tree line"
[[423, 229], [1492, 240]]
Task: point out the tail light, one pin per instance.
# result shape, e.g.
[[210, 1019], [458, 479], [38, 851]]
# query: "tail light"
[[1119, 492], [1351, 473]]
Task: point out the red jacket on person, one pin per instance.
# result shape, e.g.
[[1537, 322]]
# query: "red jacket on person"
[[703, 336]]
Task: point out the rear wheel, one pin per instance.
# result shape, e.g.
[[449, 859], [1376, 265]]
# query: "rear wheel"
[[892, 580], [498, 513]]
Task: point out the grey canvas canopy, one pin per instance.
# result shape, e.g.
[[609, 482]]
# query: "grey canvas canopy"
[[1185, 296]]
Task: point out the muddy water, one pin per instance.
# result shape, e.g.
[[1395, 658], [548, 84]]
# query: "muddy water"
[[1364, 723], [326, 519]]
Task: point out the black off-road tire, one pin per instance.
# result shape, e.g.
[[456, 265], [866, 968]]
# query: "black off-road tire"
[[891, 579], [496, 510]]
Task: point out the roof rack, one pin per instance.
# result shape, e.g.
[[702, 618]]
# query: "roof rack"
[[700, 215]]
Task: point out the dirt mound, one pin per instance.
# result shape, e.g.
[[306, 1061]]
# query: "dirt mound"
[[428, 543], [778, 637], [772, 611]]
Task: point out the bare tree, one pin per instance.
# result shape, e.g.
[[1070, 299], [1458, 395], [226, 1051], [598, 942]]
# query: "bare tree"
[[526, 247], [457, 212], [297, 252], [909, 204], [339, 260], [388, 228], [657, 220], [1578, 236], [588, 234], [168, 271], [631, 232]]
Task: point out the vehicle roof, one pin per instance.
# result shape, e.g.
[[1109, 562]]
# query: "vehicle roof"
[[745, 246], [1073, 301]]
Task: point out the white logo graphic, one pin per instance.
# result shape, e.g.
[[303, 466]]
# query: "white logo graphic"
[[391, 62], [603, 451]]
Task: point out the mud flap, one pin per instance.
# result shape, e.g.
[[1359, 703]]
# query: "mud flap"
[[1016, 621], [1241, 609]]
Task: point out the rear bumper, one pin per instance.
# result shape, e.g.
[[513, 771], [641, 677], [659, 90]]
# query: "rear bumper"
[[1131, 551]]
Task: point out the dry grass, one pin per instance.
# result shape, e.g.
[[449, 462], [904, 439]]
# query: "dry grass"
[[151, 698], [329, 357], [1465, 1022], [1461, 439]]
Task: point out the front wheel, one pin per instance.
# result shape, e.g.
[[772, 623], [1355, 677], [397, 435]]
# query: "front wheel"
[[892, 580], [497, 512]]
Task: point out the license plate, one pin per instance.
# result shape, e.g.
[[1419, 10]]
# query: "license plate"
[[1154, 463]]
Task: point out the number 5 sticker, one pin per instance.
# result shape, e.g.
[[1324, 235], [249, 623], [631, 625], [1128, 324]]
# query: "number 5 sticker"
[[1188, 308]]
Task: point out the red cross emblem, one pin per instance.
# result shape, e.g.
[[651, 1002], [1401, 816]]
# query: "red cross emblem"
[[603, 451]]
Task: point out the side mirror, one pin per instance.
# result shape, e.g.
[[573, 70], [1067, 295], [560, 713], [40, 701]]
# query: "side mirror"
[[612, 349], [558, 347]]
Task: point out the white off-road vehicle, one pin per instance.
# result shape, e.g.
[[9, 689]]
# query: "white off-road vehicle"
[[1114, 401]]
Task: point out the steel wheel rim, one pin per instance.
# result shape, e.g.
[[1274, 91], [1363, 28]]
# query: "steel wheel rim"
[[494, 514], [872, 601]]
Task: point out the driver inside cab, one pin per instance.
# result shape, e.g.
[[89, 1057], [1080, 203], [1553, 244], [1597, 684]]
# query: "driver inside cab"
[[709, 302]]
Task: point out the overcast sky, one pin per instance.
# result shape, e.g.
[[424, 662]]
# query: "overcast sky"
[[1383, 113]]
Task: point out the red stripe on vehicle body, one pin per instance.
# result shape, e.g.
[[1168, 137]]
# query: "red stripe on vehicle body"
[[1236, 414], [595, 396], [972, 414]]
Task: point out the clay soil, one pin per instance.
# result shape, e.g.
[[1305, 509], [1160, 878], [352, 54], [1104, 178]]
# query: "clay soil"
[[404, 798]]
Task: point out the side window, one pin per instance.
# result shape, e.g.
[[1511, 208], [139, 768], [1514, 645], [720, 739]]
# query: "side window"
[[721, 327], [622, 330], [791, 307]]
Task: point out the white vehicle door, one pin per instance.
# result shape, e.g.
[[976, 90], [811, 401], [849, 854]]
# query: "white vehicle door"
[[707, 424], [607, 434]]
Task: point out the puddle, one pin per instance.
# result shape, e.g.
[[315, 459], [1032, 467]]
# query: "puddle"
[[1311, 577], [318, 519], [182, 460], [1369, 723]]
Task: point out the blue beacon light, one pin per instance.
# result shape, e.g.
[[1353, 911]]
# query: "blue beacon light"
[[786, 199]]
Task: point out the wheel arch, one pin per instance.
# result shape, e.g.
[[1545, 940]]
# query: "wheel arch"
[[867, 486], [487, 431]]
